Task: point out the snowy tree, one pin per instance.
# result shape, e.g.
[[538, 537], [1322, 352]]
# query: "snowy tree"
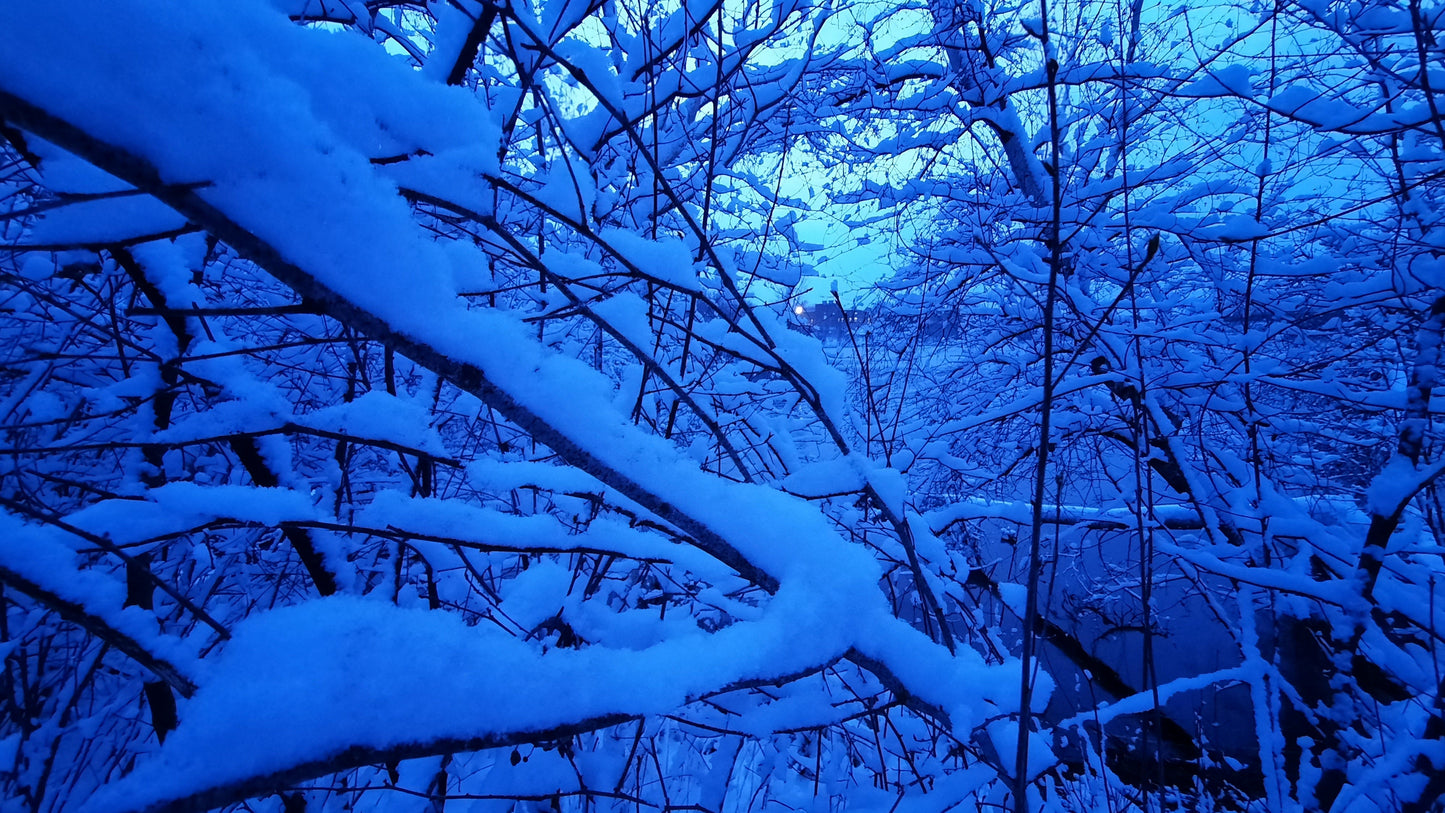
[[1175, 366], [402, 408], [394, 401]]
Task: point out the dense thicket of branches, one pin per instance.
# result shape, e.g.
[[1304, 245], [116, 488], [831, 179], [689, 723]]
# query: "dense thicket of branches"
[[420, 405]]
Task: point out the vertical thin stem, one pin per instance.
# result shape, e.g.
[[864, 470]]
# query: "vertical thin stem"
[[1035, 564]]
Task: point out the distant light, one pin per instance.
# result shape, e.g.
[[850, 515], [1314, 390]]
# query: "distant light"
[[798, 310]]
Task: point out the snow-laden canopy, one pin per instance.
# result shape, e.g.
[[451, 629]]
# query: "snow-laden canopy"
[[423, 405]]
